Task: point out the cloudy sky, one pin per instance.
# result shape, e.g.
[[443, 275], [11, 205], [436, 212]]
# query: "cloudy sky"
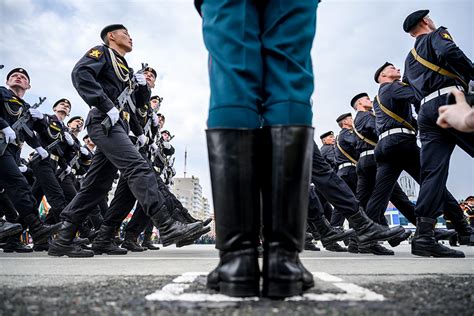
[[353, 38]]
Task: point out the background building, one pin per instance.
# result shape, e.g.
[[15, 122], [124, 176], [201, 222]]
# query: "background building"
[[189, 193]]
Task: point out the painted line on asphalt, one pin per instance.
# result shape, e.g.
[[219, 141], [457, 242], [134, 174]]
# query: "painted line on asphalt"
[[175, 291]]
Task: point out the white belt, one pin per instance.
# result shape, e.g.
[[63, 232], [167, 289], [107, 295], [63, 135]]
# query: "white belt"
[[396, 131], [346, 164], [439, 93], [366, 153]]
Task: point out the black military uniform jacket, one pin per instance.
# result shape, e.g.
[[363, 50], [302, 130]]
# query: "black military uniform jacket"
[[398, 98], [50, 129], [348, 141], [83, 161], [329, 154], [10, 111], [438, 48], [99, 86], [364, 123]]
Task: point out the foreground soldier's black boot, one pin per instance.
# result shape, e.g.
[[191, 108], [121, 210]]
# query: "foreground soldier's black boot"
[[368, 231], [286, 164], [233, 164], [64, 244], [105, 242], [424, 243], [39, 231], [308, 243]]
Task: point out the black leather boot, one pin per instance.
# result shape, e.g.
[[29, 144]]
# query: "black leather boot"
[[64, 244], [368, 231], [130, 243], [353, 246], [233, 164], [465, 232], [395, 241], [444, 234], [9, 229], [424, 243], [39, 231], [105, 242], [171, 230], [14, 244], [375, 249], [193, 238], [308, 243], [328, 234], [286, 163], [147, 244], [335, 247]]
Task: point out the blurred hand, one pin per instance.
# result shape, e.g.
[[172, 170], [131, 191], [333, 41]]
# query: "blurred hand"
[[459, 116]]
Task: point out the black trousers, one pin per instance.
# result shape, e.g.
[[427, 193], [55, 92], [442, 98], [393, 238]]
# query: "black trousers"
[[46, 184], [391, 160], [332, 187], [437, 145], [16, 187], [7, 208], [349, 175], [366, 181], [115, 151]]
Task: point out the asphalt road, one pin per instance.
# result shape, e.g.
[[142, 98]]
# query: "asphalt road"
[[171, 281]]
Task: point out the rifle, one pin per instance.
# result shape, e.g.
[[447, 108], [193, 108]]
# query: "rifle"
[[73, 163], [123, 99], [48, 148], [21, 124]]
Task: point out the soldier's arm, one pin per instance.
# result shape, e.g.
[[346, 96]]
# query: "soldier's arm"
[[142, 96], [84, 78], [404, 92], [446, 49], [3, 97], [135, 126]]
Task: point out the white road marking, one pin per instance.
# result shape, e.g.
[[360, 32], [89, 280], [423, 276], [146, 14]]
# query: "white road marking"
[[175, 291]]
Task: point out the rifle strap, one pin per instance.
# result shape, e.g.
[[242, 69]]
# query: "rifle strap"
[[394, 115], [344, 152], [435, 68], [365, 139]]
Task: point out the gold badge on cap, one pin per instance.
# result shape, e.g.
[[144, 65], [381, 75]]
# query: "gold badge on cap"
[[95, 53]]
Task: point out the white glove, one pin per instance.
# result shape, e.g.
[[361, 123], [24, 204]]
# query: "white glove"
[[10, 135], [142, 140], [114, 115], [22, 168], [84, 151], [68, 170], [167, 145], [140, 79], [154, 147], [42, 152], [154, 117], [69, 139], [36, 114]]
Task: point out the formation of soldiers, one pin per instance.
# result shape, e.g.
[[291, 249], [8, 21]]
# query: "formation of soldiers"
[[374, 147], [62, 169], [354, 176]]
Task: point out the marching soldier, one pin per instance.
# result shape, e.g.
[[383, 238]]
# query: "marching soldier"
[[12, 181], [328, 149], [100, 77], [434, 67]]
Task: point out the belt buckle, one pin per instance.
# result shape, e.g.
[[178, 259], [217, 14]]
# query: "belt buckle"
[[126, 116]]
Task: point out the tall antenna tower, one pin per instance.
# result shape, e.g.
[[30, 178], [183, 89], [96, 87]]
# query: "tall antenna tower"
[[185, 159]]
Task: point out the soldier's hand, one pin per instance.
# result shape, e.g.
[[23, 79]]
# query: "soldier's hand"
[[114, 115], [142, 140], [84, 151], [42, 152], [68, 170], [9, 134], [140, 79], [69, 139], [36, 114], [154, 148], [23, 168], [458, 116]]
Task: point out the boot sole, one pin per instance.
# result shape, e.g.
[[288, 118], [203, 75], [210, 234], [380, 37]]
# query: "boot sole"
[[238, 289], [425, 253], [10, 232], [190, 240], [108, 253], [394, 242], [280, 290], [16, 250], [375, 239], [184, 236], [60, 254]]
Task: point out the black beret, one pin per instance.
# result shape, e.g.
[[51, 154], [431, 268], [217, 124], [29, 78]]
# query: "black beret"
[[85, 137], [342, 116], [377, 73], [150, 70], [155, 97], [62, 100], [357, 97], [413, 19], [77, 117], [469, 198], [20, 70], [326, 134], [111, 28], [166, 131]]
